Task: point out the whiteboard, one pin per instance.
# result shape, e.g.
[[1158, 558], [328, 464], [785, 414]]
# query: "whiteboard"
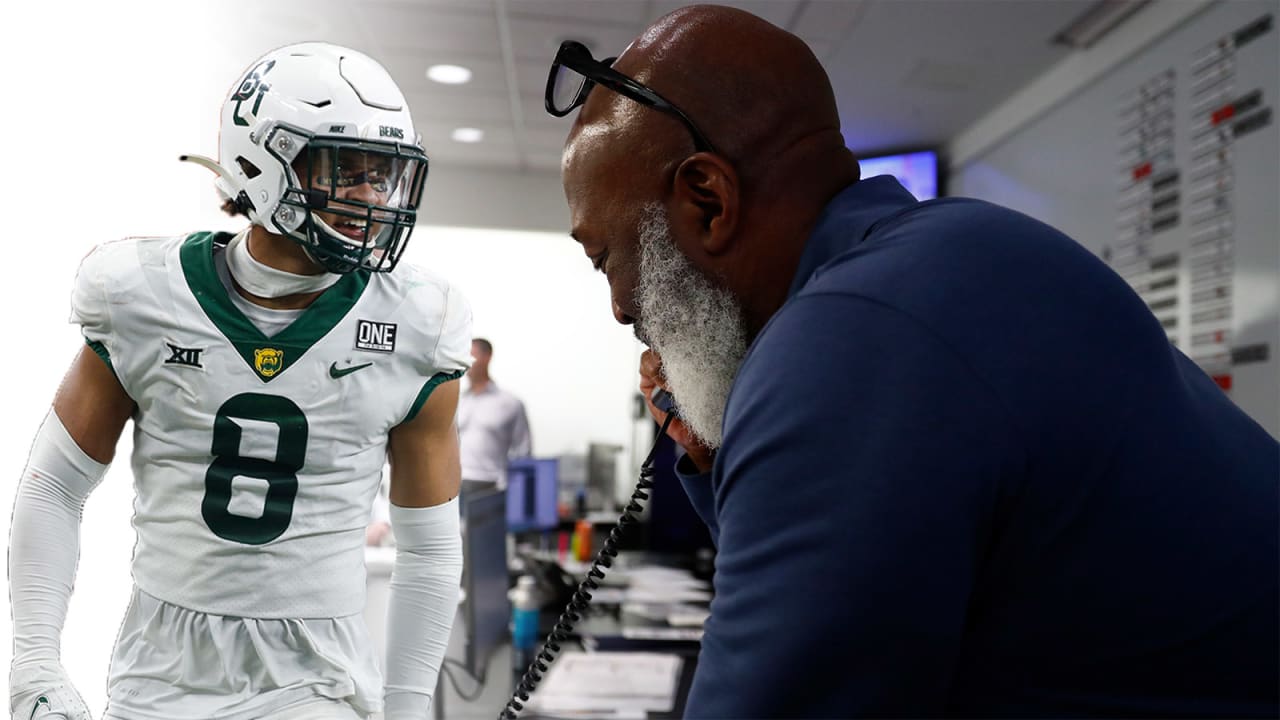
[[1168, 167]]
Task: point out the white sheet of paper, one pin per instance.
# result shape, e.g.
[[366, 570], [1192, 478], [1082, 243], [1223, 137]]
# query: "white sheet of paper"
[[610, 596], [662, 633], [666, 595], [694, 617], [618, 681]]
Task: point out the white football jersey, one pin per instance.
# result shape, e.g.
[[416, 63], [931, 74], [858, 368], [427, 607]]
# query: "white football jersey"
[[256, 459]]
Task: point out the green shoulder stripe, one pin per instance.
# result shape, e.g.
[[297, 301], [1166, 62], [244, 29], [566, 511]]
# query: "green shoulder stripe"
[[101, 351], [425, 392]]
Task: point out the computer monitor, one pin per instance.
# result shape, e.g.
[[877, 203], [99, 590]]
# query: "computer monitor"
[[602, 471], [917, 171], [533, 501], [487, 609]]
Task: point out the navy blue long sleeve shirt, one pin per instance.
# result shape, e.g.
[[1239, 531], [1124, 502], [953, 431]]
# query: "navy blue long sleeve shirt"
[[965, 473]]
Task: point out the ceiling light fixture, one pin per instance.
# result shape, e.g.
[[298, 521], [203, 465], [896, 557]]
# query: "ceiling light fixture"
[[467, 135], [449, 74], [1099, 19]]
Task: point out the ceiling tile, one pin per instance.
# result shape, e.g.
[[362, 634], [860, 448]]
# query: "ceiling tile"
[[778, 12], [497, 149], [538, 39], [543, 161], [940, 76], [536, 116], [477, 157], [437, 138], [828, 20], [260, 27], [995, 46], [531, 79], [401, 27], [546, 138], [472, 6], [409, 68], [895, 65], [459, 107], [820, 48], [630, 13]]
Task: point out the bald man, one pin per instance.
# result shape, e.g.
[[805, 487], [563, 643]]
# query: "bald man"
[[951, 462]]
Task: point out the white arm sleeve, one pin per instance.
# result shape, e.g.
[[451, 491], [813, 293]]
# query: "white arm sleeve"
[[44, 540], [423, 604]]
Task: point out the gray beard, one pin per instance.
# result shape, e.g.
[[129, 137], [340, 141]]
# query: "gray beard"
[[696, 327]]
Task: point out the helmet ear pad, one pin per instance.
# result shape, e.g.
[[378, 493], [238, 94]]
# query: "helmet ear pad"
[[309, 99]]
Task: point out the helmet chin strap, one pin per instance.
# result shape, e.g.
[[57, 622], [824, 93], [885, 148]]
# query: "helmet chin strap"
[[265, 281], [336, 236]]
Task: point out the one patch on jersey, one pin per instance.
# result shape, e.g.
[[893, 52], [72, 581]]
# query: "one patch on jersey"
[[182, 356], [375, 336]]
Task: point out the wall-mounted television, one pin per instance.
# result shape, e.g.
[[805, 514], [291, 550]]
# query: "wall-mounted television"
[[917, 171]]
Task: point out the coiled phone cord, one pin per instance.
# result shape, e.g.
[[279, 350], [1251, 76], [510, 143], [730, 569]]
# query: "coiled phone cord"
[[582, 597]]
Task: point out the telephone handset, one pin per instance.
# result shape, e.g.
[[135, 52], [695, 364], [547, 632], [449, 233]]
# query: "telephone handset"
[[664, 402], [604, 559]]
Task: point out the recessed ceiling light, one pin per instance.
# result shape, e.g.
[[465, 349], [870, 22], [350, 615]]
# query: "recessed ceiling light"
[[449, 74], [1099, 19], [467, 135]]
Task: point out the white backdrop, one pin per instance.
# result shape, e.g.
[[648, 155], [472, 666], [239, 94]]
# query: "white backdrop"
[[556, 344], [100, 100]]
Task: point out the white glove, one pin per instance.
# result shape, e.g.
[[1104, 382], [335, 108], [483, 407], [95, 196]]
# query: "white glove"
[[44, 691]]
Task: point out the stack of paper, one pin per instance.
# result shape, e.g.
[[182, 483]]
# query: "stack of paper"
[[665, 585], [608, 684], [662, 633], [673, 614]]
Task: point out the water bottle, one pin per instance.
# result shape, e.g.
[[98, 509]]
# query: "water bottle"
[[524, 623]]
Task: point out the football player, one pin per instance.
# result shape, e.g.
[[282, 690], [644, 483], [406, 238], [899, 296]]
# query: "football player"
[[269, 374]]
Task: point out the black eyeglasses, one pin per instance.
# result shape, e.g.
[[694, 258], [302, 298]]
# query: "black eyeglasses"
[[574, 72]]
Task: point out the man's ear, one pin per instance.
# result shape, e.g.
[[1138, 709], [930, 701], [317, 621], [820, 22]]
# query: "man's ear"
[[705, 201]]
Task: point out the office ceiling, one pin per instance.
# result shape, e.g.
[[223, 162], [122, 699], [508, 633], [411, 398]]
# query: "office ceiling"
[[907, 72]]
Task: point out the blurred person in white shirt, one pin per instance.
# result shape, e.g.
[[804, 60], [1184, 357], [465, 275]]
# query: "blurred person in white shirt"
[[492, 425]]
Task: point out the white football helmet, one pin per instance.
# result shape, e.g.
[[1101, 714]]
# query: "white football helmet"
[[317, 144]]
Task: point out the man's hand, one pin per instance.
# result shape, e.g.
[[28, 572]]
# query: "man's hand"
[[651, 377], [44, 691]]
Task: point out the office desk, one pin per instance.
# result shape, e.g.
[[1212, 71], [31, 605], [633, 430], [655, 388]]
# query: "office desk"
[[682, 690], [605, 628], [677, 710]]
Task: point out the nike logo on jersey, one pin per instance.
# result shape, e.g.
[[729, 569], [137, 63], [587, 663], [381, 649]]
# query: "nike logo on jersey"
[[336, 372], [42, 700]]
